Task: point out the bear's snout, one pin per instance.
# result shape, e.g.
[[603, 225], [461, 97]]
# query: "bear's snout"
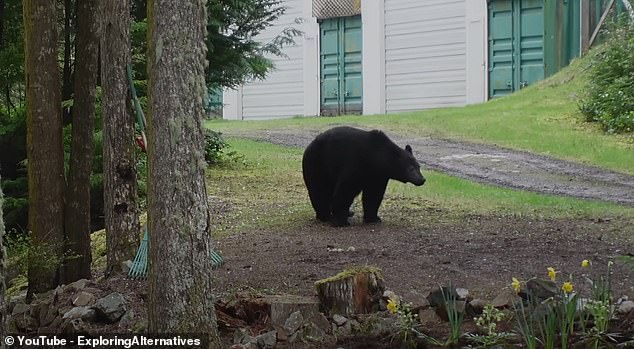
[[419, 181]]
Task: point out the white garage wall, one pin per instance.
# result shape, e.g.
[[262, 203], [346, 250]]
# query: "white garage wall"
[[425, 54], [281, 94]]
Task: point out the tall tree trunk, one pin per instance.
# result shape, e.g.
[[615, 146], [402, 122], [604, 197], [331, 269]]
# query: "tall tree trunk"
[[2, 11], [44, 145], [3, 255], [120, 188], [180, 278], [77, 214], [67, 73]]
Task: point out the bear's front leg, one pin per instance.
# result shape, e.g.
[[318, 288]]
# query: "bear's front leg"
[[372, 198]]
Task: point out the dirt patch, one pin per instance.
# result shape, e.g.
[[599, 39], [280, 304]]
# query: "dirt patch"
[[479, 253], [492, 165]]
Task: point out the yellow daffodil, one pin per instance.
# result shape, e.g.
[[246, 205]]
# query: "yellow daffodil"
[[552, 274], [392, 306], [585, 263], [516, 285], [567, 287]]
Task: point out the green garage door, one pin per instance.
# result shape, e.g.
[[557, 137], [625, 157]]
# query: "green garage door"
[[516, 45], [340, 66]]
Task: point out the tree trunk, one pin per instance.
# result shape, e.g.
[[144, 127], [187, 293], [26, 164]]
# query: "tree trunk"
[[44, 145], [77, 213], [120, 201], [67, 73], [2, 10], [3, 254], [180, 277]]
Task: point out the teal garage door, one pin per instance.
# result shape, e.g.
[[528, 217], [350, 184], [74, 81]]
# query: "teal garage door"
[[516, 45], [340, 66]]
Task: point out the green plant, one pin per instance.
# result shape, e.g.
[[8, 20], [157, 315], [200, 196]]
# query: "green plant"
[[455, 313], [609, 96], [599, 309], [406, 321], [487, 324], [214, 146]]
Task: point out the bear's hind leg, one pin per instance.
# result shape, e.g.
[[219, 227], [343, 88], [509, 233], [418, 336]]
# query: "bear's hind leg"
[[341, 201], [372, 198]]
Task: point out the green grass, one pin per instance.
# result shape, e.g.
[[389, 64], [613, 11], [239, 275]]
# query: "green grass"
[[542, 118], [269, 192]]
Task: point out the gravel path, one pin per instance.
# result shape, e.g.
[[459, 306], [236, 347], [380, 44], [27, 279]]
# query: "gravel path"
[[492, 165]]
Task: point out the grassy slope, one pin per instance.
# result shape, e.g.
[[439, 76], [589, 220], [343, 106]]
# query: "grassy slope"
[[542, 118], [269, 192]]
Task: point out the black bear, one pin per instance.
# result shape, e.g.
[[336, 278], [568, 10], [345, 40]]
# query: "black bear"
[[344, 161]]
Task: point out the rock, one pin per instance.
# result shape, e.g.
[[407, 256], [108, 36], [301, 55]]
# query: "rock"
[[48, 313], [83, 313], [73, 326], [126, 266], [20, 308], [437, 296], [294, 322], [339, 320], [92, 290], [267, 340], [282, 336], [308, 333], [242, 337], [442, 312], [111, 308], [77, 285], [378, 326], [127, 319], [540, 289], [82, 299], [625, 307], [345, 330], [463, 294], [428, 316], [477, 306], [282, 306], [21, 318], [505, 299], [320, 321]]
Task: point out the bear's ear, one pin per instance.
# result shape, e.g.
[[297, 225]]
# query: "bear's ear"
[[408, 149]]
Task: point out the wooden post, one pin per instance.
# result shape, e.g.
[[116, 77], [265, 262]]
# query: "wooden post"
[[585, 26]]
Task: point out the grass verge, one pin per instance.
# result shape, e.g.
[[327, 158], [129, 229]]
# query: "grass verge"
[[268, 192]]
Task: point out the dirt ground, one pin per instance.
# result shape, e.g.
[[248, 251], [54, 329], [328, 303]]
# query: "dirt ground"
[[481, 254], [419, 247]]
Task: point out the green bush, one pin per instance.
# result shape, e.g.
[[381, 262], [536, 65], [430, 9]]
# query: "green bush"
[[214, 147], [609, 96]]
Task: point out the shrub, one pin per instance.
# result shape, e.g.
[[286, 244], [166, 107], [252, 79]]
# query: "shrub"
[[609, 96]]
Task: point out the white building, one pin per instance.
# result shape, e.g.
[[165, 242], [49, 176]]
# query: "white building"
[[384, 56]]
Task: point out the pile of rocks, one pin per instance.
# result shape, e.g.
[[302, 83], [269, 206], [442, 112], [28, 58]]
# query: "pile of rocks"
[[72, 308]]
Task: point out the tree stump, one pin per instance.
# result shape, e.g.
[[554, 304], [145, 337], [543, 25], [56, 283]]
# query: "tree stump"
[[353, 291]]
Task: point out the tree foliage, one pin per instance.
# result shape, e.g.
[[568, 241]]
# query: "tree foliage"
[[234, 54]]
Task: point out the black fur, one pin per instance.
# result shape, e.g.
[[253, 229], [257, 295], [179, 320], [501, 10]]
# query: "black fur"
[[344, 161]]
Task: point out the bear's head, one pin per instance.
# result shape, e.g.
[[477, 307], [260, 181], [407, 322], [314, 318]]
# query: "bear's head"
[[407, 168]]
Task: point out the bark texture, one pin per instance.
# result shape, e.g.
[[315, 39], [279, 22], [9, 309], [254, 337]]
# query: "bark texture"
[[120, 188], [180, 276], [351, 292], [44, 145], [77, 214], [3, 255]]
